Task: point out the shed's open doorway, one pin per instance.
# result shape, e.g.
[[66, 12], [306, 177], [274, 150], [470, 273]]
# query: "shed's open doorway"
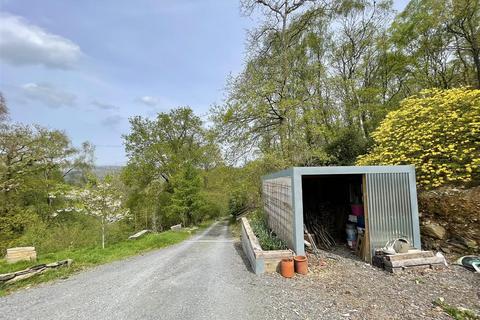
[[333, 209]]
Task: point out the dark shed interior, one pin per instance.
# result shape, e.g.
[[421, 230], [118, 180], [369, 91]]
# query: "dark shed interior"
[[327, 204]]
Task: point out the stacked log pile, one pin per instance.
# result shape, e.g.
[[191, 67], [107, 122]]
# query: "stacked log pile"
[[12, 277]]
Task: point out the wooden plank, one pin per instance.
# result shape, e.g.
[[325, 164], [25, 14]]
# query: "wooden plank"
[[414, 262], [409, 255], [367, 252], [251, 236], [143, 232], [274, 254], [360, 247], [436, 266], [20, 249]]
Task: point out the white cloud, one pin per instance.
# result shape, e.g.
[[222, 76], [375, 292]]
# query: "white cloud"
[[48, 94], [149, 101], [22, 43], [105, 106]]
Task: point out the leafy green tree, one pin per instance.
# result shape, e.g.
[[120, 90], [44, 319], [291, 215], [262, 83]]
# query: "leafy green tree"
[[462, 23], [159, 151], [187, 202], [33, 164]]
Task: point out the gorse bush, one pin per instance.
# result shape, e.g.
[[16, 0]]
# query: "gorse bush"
[[438, 131]]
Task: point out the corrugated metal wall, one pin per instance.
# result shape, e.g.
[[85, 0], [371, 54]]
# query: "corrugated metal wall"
[[277, 197], [389, 208]]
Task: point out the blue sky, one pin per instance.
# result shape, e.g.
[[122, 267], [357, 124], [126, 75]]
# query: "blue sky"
[[86, 66]]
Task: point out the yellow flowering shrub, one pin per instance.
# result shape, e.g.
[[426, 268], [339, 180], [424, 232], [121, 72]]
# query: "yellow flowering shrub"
[[438, 131]]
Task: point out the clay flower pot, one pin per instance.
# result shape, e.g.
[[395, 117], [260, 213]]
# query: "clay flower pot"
[[301, 264], [286, 268]]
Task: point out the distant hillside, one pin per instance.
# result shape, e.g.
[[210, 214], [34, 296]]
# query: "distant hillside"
[[102, 171], [75, 176]]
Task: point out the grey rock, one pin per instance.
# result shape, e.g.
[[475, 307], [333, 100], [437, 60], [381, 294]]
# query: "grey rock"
[[434, 230]]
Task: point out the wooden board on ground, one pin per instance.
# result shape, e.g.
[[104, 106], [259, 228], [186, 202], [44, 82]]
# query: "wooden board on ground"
[[411, 254], [21, 254], [139, 234], [415, 262], [436, 266], [176, 227]]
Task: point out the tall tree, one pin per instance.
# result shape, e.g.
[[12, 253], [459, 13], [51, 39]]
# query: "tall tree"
[[261, 110], [462, 22], [440, 42], [186, 201], [158, 152]]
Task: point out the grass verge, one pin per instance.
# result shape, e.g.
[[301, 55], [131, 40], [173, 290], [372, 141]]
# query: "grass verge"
[[88, 257]]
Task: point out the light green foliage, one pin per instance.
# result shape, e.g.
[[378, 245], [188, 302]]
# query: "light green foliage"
[[439, 43], [245, 192], [438, 131]]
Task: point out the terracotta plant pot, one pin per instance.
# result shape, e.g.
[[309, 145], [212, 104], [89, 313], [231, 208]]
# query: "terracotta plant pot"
[[301, 264], [286, 268]]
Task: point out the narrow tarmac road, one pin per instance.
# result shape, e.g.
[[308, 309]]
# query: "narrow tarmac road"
[[201, 278]]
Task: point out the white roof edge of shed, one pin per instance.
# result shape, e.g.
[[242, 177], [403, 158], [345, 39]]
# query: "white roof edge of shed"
[[339, 170]]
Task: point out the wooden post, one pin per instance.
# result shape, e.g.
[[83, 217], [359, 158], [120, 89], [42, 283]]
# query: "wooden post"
[[367, 252]]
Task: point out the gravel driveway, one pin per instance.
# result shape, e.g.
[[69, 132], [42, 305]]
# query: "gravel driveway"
[[201, 278], [207, 277]]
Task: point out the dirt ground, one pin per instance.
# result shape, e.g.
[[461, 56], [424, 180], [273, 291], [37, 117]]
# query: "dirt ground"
[[346, 288]]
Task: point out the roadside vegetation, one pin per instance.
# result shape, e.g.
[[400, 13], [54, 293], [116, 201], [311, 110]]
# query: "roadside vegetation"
[[90, 256], [174, 176]]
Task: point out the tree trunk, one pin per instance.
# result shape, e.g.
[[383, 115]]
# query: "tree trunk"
[[476, 61], [103, 233], [154, 221]]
